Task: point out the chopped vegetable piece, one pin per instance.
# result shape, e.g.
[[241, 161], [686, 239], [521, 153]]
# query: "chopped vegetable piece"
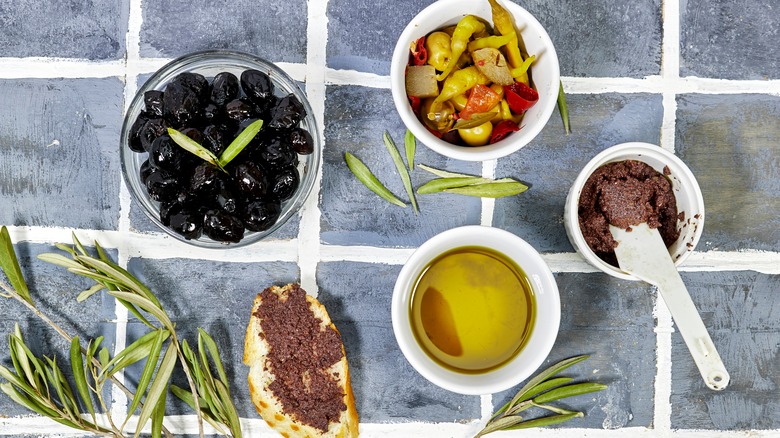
[[520, 97], [421, 81], [419, 53], [460, 82], [502, 129], [481, 100], [491, 63]]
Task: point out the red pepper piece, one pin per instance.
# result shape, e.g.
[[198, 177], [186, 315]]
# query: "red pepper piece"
[[419, 55], [415, 103], [502, 129], [520, 97], [433, 131]]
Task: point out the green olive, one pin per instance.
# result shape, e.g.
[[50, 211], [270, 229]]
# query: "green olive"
[[439, 119], [478, 135]]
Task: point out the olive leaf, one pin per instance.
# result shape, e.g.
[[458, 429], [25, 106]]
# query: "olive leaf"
[[541, 389], [158, 388], [10, 265], [195, 148], [493, 189], [410, 145], [239, 143], [563, 109], [475, 120], [368, 179], [399, 165]]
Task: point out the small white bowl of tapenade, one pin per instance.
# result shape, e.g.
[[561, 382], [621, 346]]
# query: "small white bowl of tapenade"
[[660, 184]]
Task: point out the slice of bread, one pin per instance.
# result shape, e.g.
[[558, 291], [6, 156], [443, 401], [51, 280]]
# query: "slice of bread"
[[298, 377]]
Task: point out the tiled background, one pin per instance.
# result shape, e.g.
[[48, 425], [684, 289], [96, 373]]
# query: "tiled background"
[[698, 77]]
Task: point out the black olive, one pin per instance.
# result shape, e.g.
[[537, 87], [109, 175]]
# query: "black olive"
[[301, 141], [260, 215], [195, 82], [224, 88], [251, 180], [166, 155], [153, 99], [194, 134], [227, 197], [223, 227], [277, 153], [214, 139], [239, 110], [145, 170], [453, 137], [212, 113], [257, 86], [287, 113], [134, 140], [187, 223], [152, 129], [181, 105], [284, 184], [162, 186], [205, 179]]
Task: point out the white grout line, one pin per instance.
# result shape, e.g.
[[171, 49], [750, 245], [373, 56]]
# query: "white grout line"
[[488, 204], [663, 379]]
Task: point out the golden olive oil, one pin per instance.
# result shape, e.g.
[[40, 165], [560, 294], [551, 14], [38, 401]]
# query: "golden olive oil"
[[472, 309]]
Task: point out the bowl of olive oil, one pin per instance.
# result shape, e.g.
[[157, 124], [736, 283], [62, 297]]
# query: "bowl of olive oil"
[[475, 310]]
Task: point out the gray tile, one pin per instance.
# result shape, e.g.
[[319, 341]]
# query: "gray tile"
[[741, 313], [362, 35], [59, 157], [553, 160], [216, 296], [712, 31], [272, 30], [387, 389], [54, 292], [355, 119], [94, 30], [603, 38], [730, 143], [612, 321]]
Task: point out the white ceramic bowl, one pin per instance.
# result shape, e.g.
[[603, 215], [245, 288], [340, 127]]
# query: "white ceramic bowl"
[[686, 191], [545, 329], [545, 73]]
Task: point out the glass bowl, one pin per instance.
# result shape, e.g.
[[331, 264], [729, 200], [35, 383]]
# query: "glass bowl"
[[210, 63]]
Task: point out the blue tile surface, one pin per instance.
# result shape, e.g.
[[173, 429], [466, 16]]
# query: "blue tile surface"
[[216, 296], [351, 213], [94, 30], [551, 163], [740, 311], [387, 388], [612, 321], [53, 291], [711, 32], [601, 38], [59, 161], [272, 30], [730, 144]]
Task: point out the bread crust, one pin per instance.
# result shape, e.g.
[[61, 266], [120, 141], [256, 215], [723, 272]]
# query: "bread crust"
[[256, 350]]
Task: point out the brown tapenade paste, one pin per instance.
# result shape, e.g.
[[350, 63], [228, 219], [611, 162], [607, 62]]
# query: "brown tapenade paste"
[[623, 194], [301, 351]]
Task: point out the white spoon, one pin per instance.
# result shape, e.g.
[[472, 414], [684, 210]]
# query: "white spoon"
[[642, 252]]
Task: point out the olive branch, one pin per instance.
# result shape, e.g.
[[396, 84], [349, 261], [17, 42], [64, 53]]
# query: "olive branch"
[[40, 385]]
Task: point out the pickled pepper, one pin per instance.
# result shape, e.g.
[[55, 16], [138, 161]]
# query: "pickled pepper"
[[467, 26], [503, 22]]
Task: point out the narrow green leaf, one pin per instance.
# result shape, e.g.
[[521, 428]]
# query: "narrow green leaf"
[[78, 245], [569, 391], [236, 146], [136, 351], [66, 248], [500, 424], [544, 375], [103, 357], [555, 409], [564, 110], [399, 165], [146, 375], [18, 352], [444, 173], [186, 396], [89, 292], [37, 378], [126, 277], [368, 179], [233, 421], [440, 184], [158, 387], [545, 421], [475, 120], [101, 253], [157, 418], [546, 385], [410, 144], [22, 399], [146, 306], [93, 346], [59, 260], [134, 310], [193, 147], [80, 375], [117, 276], [10, 265], [17, 381], [214, 351], [493, 189], [58, 382]]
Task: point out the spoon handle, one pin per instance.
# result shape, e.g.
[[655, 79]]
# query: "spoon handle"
[[642, 253]]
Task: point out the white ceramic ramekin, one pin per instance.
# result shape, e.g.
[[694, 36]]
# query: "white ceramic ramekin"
[[544, 332], [686, 191], [545, 72]]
